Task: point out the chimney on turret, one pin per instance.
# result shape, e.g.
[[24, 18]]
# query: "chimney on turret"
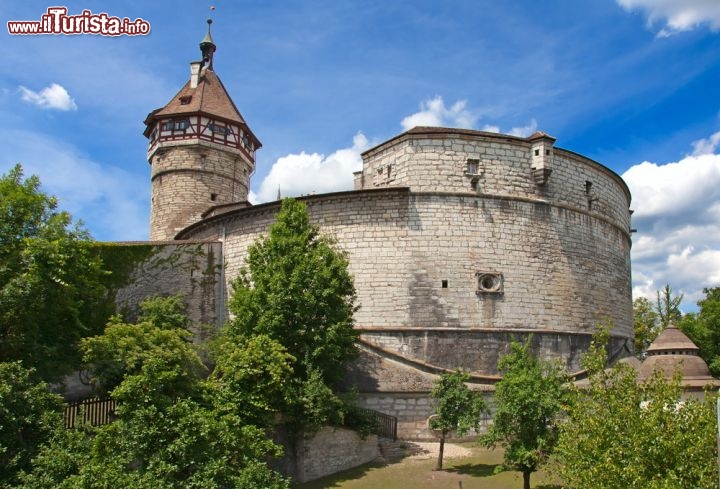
[[195, 73]]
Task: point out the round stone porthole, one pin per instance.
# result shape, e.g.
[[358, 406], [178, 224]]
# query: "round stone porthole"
[[489, 282]]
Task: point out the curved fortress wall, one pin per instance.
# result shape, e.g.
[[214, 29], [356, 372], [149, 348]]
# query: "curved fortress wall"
[[466, 241]]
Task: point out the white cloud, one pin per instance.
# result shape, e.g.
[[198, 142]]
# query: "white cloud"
[[53, 97], [112, 201], [677, 15], [524, 131], [305, 173], [707, 145], [677, 215], [434, 113]]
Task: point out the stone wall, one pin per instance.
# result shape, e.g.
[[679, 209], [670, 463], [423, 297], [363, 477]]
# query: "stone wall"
[[327, 452], [416, 258], [192, 269], [436, 160], [413, 411], [190, 177]]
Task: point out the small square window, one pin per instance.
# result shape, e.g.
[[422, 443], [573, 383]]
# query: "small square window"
[[472, 167], [185, 100], [213, 197], [444, 284], [537, 152]]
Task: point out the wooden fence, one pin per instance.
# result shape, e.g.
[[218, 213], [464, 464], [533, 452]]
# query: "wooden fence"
[[93, 411]]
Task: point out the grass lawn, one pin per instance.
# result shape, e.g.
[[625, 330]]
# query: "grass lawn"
[[474, 472]]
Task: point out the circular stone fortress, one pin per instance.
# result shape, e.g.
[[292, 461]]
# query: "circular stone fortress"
[[459, 241]]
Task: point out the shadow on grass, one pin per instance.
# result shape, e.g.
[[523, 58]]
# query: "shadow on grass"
[[488, 470], [337, 479], [473, 470]]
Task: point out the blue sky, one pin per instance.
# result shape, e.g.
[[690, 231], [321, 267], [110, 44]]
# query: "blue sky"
[[632, 84]]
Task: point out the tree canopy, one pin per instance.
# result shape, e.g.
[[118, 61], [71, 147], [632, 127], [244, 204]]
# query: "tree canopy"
[[297, 291], [29, 416], [528, 400], [619, 433], [173, 427], [457, 408], [703, 328], [645, 323], [50, 279]]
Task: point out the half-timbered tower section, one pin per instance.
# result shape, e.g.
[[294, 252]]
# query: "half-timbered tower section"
[[201, 150]]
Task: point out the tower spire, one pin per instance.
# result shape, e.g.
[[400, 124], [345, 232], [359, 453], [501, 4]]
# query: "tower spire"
[[207, 47]]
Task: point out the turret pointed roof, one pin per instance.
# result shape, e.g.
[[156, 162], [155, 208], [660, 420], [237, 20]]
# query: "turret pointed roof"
[[203, 94], [209, 97]]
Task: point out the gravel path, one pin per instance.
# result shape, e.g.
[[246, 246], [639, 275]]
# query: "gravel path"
[[431, 450]]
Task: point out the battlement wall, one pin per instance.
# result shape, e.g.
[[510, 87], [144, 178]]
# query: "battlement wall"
[[473, 162]]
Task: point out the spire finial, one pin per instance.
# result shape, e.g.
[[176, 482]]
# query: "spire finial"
[[207, 45]]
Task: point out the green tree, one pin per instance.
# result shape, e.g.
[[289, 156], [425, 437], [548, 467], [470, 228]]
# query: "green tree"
[[457, 408], [703, 328], [251, 379], [29, 415], [619, 433], [668, 307], [159, 336], [528, 401], [646, 324], [50, 279], [296, 289], [173, 428]]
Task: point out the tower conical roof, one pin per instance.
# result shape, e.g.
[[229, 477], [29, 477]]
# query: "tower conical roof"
[[672, 350], [209, 97]]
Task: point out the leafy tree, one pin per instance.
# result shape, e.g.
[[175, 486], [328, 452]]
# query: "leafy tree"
[[528, 400], [457, 408], [646, 324], [296, 289], [618, 433], [50, 279], [703, 328], [173, 428], [29, 415], [668, 307], [250, 379], [159, 336]]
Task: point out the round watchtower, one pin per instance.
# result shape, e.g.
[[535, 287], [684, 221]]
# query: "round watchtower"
[[201, 150]]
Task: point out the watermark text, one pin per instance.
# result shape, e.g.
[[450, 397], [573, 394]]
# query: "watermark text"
[[57, 21]]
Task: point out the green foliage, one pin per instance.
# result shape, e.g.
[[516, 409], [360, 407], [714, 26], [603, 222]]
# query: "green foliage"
[[296, 289], [159, 340], [703, 328], [528, 400], [29, 415], [50, 279], [668, 307], [645, 323], [619, 433], [173, 428], [251, 379], [457, 408]]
